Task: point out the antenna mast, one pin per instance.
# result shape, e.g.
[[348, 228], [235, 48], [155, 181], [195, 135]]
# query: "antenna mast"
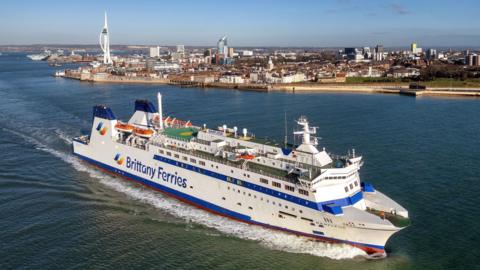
[[286, 131]]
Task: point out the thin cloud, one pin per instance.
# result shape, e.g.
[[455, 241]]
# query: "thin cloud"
[[399, 9]]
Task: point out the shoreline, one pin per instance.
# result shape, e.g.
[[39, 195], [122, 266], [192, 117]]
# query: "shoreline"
[[400, 89]]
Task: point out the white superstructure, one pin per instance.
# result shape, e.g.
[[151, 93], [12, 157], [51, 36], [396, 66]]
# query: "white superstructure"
[[226, 170], [105, 43]]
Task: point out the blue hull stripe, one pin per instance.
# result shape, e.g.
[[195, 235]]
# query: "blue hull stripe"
[[284, 196], [210, 206]]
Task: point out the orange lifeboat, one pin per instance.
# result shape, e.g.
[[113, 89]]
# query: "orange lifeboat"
[[246, 156], [124, 127], [143, 132]]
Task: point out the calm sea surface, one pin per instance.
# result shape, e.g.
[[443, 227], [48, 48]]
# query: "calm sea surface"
[[57, 212]]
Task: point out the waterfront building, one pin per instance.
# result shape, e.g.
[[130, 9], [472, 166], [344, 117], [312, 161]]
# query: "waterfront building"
[[105, 43], [232, 79]]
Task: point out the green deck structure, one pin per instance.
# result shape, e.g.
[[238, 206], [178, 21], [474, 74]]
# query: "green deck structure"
[[185, 133]]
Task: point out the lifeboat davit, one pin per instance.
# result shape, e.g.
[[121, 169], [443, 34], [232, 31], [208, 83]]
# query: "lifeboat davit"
[[124, 127], [143, 132]]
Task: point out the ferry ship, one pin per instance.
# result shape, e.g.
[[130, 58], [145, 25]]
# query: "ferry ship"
[[294, 188]]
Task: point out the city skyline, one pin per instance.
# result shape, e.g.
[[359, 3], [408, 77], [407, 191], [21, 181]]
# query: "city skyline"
[[333, 23]]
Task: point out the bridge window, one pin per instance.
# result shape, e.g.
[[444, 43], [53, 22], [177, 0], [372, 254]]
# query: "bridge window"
[[176, 156], [169, 154], [303, 192], [185, 158], [200, 162], [193, 160], [275, 184], [264, 181], [289, 188]]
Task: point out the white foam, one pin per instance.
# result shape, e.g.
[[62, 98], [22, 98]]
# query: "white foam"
[[270, 238]]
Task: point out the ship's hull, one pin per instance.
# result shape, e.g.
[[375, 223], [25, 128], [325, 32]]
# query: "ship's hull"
[[201, 192]]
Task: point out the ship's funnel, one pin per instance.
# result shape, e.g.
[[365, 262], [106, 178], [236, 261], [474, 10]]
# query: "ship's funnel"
[[103, 124], [144, 113]]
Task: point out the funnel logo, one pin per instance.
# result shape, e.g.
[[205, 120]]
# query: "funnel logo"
[[101, 129], [119, 159]]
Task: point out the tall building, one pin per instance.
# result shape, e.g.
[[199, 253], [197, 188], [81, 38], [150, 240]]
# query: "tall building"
[[270, 65], [105, 43], [413, 47], [469, 59], [378, 54], [230, 52], [155, 51], [476, 60], [431, 54], [222, 46], [180, 49]]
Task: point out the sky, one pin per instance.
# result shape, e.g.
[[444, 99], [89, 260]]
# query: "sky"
[[302, 23]]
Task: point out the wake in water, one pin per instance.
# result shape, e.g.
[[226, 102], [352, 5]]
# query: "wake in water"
[[271, 238]]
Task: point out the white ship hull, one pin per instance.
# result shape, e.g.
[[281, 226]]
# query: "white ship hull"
[[300, 190], [242, 202]]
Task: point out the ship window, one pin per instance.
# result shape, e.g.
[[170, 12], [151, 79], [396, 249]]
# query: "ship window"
[[193, 160], [239, 204], [289, 188], [275, 184], [264, 181], [300, 211], [160, 151], [223, 198], [346, 189], [356, 183], [201, 163], [176, 155], [251, 208], [169, 154], [351, 186], [303, 192], [273, 203], [249, 195], [185, 158]]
